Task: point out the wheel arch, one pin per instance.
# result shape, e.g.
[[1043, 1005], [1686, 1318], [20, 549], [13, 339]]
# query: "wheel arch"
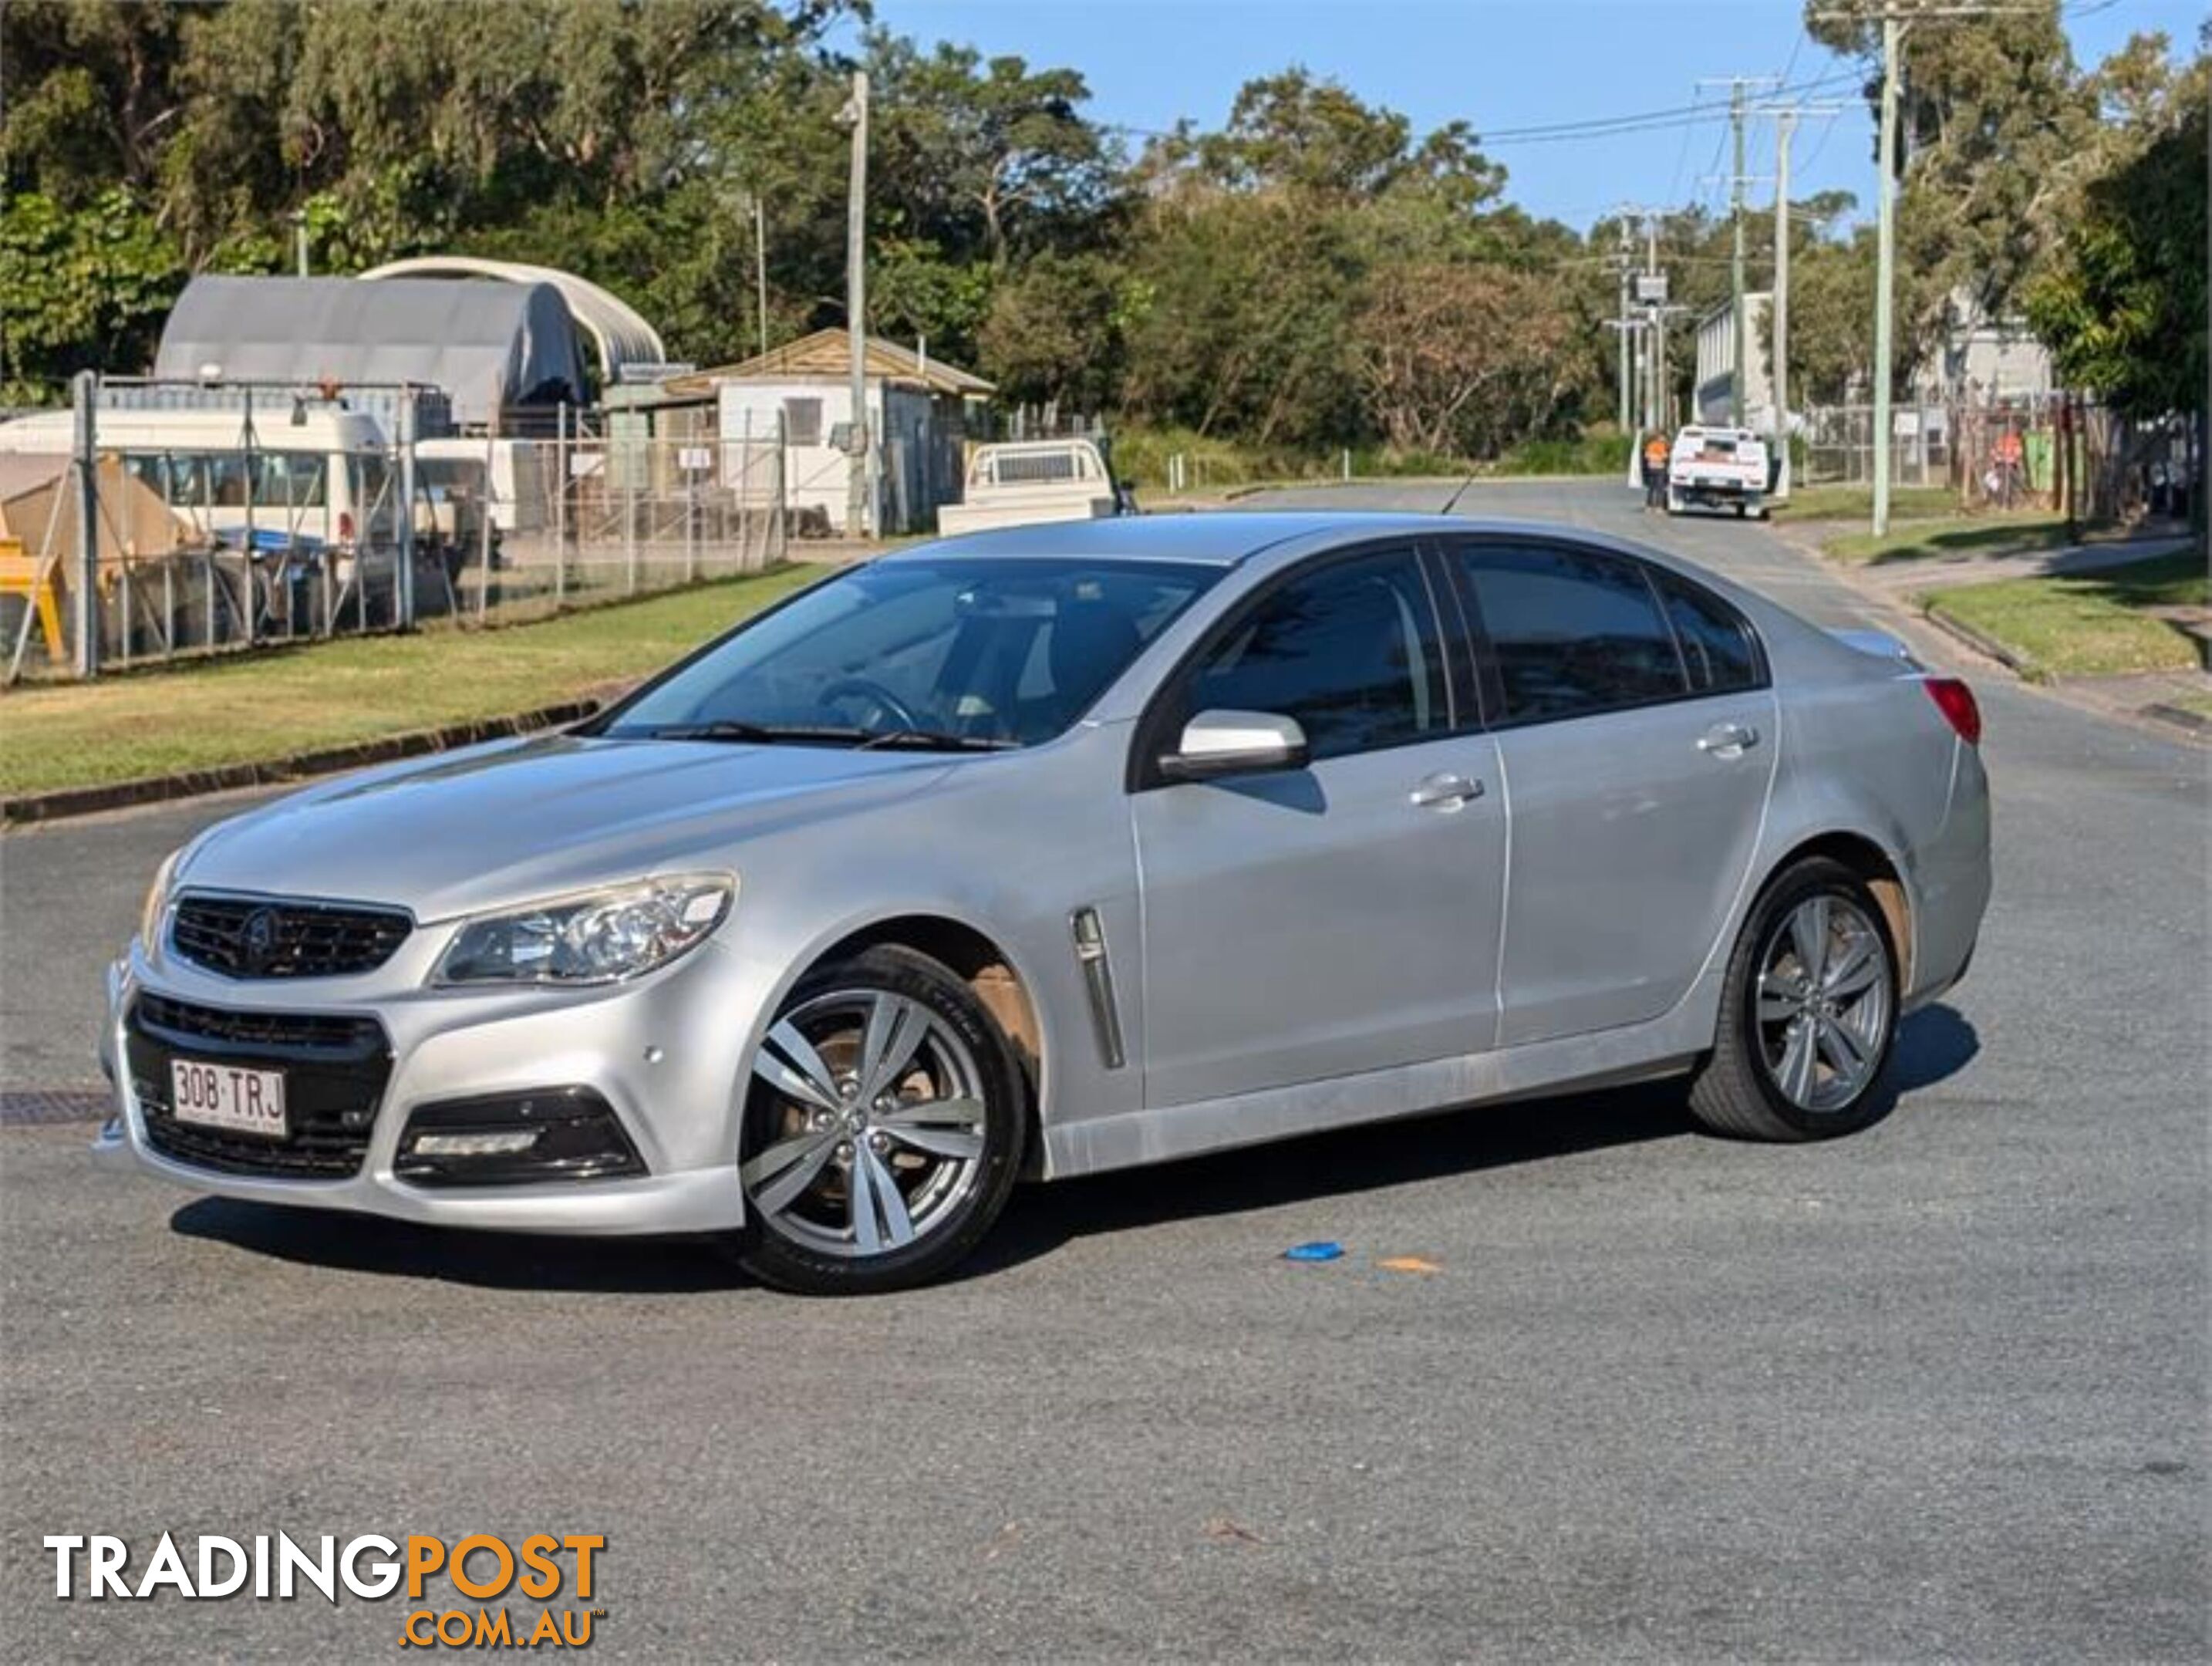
[[981, 961], [1877, 869]]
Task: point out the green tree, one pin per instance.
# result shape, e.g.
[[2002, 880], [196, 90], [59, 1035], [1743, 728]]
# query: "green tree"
[[2122, 300]]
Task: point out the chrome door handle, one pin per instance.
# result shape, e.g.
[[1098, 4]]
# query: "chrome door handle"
[[1728, 739], [1445, 792]]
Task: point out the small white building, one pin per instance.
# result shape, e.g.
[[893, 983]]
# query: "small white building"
[[1717, 374], [916, 421]]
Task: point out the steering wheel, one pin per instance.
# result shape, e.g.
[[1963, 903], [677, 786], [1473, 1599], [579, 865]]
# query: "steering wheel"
[[866, 688]]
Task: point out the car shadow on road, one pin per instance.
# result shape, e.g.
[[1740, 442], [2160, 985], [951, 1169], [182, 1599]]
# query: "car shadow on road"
[[1931, 1046]]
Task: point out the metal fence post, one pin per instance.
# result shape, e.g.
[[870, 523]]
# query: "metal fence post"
[[778, 525], [246, 438], [483, 529], [84, 390], [404, 597], [560, 509]]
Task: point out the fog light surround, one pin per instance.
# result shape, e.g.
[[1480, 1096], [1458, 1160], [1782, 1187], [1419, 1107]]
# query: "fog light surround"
[[560, 1134]]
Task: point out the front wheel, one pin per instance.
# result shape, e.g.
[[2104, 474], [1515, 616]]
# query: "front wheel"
[[1808, 1014], [883, 1127]]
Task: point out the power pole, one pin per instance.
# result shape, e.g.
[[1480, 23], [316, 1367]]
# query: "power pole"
[[1895, 19], [760, 262], [1620, 258], [1885, 267], [1786, 123], [1778, 308], [856, 312], [1735, 262], [1740, 332]]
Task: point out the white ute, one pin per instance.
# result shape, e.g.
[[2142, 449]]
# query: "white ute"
[[1025, 482], [1718, 467]]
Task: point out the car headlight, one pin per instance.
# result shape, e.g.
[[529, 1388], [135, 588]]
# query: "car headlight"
[[157, 901], [596, 937]]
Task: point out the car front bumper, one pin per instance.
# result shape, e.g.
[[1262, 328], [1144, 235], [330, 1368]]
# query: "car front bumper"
[[665, 1054]]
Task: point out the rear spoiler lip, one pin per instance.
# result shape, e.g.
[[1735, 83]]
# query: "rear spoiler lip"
[[1880, 645]]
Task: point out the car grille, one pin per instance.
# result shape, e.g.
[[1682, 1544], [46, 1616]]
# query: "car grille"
[[335, 1070], [253, 937]]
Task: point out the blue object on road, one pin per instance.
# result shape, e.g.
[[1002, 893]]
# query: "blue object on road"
[[1321, 1250]]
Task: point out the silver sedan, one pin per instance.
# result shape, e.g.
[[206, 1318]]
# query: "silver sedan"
[[1048, 851]]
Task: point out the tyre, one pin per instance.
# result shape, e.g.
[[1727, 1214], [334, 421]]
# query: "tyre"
[[1808, 1013], [884, 1126], [1741, 510]]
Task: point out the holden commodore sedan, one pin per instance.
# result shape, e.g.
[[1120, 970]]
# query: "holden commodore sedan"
[[1047, 851]]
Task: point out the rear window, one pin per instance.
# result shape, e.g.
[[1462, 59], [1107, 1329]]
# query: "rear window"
[[1573, 631], [1718, 648]]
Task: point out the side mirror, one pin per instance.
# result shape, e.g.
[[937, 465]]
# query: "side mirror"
[[1228, 742]]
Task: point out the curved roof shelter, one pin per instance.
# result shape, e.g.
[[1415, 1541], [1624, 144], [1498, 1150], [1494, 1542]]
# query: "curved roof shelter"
[[618, 332], [486, 346]]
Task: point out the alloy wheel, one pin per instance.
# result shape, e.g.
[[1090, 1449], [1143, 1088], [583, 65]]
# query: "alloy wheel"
[[873, 1135], [1823, 1002]]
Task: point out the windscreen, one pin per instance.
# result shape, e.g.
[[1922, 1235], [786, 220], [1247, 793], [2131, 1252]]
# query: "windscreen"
[[989, 653]]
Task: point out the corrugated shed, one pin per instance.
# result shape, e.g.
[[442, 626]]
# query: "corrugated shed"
[[486, 344]]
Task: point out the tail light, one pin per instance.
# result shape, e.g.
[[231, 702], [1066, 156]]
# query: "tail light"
[[345, 525], [1956, 702]]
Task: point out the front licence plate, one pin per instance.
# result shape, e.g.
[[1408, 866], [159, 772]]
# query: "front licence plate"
[[222, 1095]]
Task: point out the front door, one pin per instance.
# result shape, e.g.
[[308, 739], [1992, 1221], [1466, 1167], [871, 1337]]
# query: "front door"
[[1305, 924]]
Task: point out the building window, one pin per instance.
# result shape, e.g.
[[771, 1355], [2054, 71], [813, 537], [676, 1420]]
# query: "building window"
[[802, 422]]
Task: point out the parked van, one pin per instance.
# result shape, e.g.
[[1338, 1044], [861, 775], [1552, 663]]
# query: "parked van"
[[319, 475]]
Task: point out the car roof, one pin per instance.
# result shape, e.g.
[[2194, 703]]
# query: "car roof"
[[1221, 538]]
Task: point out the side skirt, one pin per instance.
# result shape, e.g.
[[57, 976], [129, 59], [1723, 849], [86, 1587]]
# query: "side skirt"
[[1665, 1047]]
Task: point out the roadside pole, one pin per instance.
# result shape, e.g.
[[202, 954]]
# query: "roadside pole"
[[405, 518], [483, 528], [561, 507], [1784, 120], [1735, 263], [760, 264], [1886, 264], [856, 312], [253, 604], [84, 389]]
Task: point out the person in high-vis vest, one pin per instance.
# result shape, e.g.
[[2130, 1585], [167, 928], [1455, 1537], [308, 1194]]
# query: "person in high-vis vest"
[[1654, 472]]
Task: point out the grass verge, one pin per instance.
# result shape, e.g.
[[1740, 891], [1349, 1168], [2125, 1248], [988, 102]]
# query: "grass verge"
[[1856, 503], [1967, 535], [2093, 624], [332, 694]]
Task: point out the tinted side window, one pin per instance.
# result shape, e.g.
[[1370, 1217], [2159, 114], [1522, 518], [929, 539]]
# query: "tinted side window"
[[1573, 631], [1350, 651], [1716, 645]]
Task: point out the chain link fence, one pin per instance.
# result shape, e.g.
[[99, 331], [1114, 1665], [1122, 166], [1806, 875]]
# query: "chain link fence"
[[156, 522], [2054, 452]]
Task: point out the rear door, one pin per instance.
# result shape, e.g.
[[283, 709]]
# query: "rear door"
[[1305, 924], [1636, 733]]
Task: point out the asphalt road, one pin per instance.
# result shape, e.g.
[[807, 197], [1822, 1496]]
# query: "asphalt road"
[[1937, 1390]]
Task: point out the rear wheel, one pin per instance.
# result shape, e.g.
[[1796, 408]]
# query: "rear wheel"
[[1808, 1015], [884, 1127]]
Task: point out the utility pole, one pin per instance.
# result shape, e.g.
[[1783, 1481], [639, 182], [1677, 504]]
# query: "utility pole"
[[1655, 334], [1778, 308], [856, 311], [1885, 267], [760, 262], [1621, 259], [1895, 19], [300, 239], [1740, 308], [1785, 123], [1735, 262]]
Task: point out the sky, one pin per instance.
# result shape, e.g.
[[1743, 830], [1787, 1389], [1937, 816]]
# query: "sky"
[[1498, 64]]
